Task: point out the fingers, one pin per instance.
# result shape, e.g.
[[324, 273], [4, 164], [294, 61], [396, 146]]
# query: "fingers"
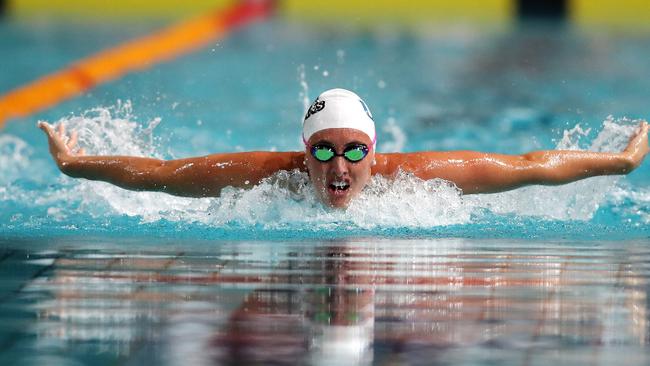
[[642, 134], [46, 127], [638, 148], [73, 140], [643, 129], [59, 141]]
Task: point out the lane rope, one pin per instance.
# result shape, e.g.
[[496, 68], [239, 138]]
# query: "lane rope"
[[137, 54]]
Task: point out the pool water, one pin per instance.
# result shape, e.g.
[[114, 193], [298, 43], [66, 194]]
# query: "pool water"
[[357, 302], [412, 273]]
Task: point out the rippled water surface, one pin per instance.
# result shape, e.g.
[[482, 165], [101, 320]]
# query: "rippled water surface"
[[412, 273], [502, 90], [357, 302]]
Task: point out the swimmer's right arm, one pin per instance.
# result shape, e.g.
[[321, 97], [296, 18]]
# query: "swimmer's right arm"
[[202, 176]]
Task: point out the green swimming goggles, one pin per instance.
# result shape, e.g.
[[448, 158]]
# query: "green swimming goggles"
[[352, 153]]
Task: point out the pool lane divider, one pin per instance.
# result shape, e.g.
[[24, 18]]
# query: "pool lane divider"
[[138, 54]]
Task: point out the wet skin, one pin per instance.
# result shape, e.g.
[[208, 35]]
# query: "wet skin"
[[471, 171], [352, 177]]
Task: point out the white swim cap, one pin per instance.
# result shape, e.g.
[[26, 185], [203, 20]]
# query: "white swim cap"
[[338, 108]]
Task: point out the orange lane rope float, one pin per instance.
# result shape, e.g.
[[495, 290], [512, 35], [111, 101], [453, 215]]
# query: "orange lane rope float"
[[133, 55]]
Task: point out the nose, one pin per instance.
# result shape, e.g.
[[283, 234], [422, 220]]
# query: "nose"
[[339, 166]]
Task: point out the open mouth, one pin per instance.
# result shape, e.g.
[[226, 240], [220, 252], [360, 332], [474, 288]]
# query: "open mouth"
[[339, 187]]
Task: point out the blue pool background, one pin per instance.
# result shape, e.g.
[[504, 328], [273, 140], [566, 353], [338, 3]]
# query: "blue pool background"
[[417, 274], [503, 90]]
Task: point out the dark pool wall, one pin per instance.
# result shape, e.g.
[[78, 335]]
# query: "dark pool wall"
[[542, 9]]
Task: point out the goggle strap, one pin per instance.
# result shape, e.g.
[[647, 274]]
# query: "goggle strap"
[[374, 142]]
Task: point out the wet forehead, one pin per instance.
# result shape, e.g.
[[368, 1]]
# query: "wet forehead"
[[340, 136]]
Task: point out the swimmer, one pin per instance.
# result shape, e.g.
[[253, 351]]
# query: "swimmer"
[[340, 158]]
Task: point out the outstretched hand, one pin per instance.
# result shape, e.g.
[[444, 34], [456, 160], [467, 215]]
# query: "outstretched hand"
[[62, 147], [637, 148]]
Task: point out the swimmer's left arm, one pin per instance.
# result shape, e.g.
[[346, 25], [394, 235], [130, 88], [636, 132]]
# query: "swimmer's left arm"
[[476, 172]]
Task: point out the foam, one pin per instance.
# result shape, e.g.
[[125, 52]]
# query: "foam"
[[635, 204], [287, 200], [575, 201], [14, 158]]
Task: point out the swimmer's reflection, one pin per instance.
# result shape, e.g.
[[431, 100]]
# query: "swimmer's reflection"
[[351, 303], [342, 302], [330, 322]]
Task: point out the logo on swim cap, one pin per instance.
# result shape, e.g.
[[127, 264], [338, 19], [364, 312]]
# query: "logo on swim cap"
[[338, 108], [316, 107], [365, 108]]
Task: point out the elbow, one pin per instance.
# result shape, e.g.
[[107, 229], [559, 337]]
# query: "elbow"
[[155, 179]]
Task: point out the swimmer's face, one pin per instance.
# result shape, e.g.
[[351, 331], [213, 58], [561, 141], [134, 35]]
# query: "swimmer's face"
[[338, 180]]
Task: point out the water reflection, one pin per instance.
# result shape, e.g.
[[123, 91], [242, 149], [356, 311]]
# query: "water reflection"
[[358, 302]]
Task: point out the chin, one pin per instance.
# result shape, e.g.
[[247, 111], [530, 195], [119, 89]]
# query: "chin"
[[335, 202], [339, 204]]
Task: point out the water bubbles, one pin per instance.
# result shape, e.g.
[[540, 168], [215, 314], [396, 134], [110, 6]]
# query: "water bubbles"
[[572, 137], [304, 93], [56, 213], [287, 200], [326, 73], [340, 57], [14, 158], [113, 131], [575, 201], [397, 140]]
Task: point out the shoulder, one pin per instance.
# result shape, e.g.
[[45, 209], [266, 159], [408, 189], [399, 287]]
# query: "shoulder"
[[263, 160], [286, 160], [276, 160], [388, 164]]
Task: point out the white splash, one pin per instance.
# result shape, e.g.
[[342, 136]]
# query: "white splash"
[[574, 201], [397, 140], [113, 131], [287, 200], [633, 203], [304, 93], [14, 158]]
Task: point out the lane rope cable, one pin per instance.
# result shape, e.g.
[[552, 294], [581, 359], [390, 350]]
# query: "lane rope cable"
[[137, 54]]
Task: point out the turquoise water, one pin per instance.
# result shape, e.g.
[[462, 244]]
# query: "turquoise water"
[[411, 273], [500, 91]]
